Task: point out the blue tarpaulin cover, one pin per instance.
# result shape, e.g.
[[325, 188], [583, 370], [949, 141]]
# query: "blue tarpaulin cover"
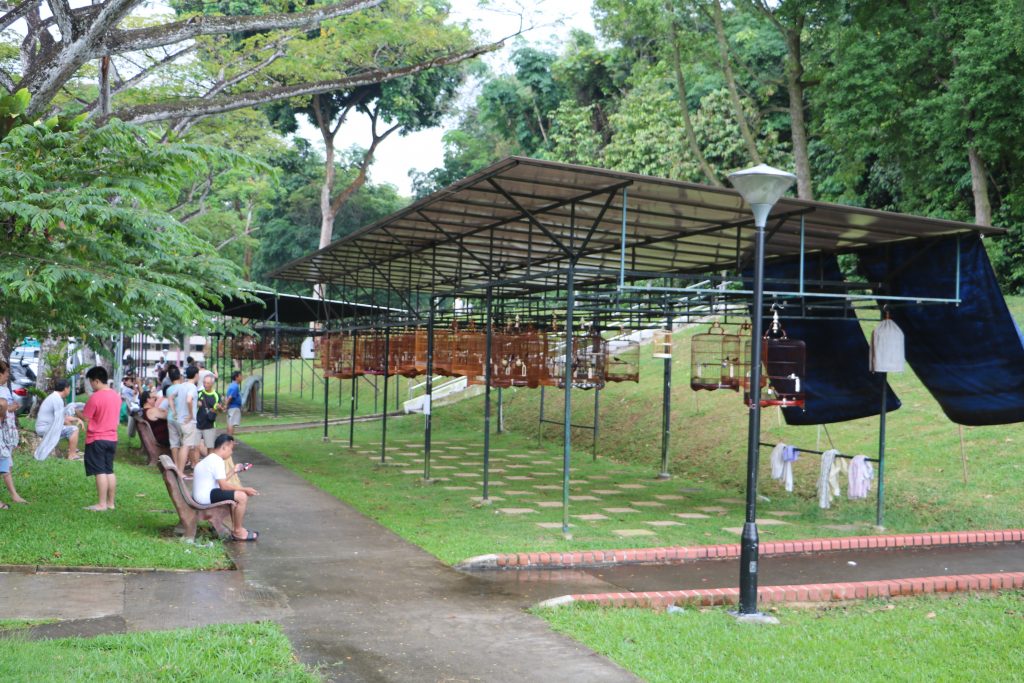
[[838, 384], [971, 356]]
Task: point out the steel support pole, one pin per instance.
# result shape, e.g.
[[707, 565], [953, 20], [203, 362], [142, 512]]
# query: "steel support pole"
[[277, 351], [487, 397], [353, 401], [570, 303], [540, 417], [501, 412], [384, 412], [666, 408], [597, 396], [428, 407], [880, 509], [749, 541]]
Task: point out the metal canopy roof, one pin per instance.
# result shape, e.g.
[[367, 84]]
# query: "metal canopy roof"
[[292, 308], [517, 224]]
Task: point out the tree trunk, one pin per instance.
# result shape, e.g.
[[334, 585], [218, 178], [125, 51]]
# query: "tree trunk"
[[798, 126], [691, 137], [730, 80], [979, 188], [5, 339]]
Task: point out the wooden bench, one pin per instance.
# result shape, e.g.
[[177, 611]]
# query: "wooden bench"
[[191, 512], [152, 448]]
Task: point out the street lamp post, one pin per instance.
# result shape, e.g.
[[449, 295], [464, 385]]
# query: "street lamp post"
[[760, 186]]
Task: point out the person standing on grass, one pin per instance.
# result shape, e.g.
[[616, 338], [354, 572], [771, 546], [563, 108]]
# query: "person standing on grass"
[[234, 399], [102, 412], [181, 416], [211, 485], [9, 404], [53, 423], [206, 416]]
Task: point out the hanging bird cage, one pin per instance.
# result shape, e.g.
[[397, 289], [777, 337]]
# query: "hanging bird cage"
[[419, 355], [553, 368], [404, 354], [715, 360], [623, 361], [372, 353], [589, 353], [286, 347], [344, 366], [443, 341], [528, 366], [783, 363], [468, 355], [661, 345], [326, 349], [503, 359], [244, 346]]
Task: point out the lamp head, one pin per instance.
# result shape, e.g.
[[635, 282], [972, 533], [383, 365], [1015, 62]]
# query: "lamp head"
[[761, 186]]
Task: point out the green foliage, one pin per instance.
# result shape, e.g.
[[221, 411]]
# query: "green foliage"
[[90, 248], [235, 652]]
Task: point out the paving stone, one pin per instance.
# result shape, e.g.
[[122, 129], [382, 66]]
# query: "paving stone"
[[449, 457], [788, 513], [412, 471], [620, 511], [598, 477], [498, 450], [712, 508], [593, 517], [517, 467], [519, 493], [443, 467], [518, 478], [458, 488], [552, 525], [631, 486], [493, 499], [519, 456], [738, 530], [492, 482], [542, 462], [547, 487], [465, 474], [545, 474], [606, 492], [669, 496], [691, 515], [457, 448], [647, 504], [549, 503], [731, 501], [664, 522], [629, 533], [517, 511], [580, 499], [772, 522]]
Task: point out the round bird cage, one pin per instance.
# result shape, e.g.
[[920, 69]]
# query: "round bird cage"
[[589, 353], [622, 362], [715, 360], [372, 353], [661, 344], [784, 363], [468, 355]]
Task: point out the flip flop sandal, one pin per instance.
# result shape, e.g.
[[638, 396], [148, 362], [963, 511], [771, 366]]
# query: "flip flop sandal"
[[4, 506], [253, 535]]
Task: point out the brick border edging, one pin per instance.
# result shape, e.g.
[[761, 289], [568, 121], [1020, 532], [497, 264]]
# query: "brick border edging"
[[679, 554], [806, 593]]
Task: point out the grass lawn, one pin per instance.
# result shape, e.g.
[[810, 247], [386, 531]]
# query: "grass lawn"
[[54, 530], [924, 476], [959, 638], [249, 652]]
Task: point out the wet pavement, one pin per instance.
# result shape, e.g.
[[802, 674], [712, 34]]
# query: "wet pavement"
[[830, 567]]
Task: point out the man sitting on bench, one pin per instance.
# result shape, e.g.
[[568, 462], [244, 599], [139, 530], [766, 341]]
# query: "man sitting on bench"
[[210, 485]]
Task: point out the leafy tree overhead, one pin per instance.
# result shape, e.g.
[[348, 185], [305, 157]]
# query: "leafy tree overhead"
[[131, 51]]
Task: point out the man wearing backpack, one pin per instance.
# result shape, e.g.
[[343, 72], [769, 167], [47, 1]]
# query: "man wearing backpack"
[[206, 415]]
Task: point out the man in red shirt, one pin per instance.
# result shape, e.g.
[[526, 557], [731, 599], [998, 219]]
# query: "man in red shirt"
[[102, 411]]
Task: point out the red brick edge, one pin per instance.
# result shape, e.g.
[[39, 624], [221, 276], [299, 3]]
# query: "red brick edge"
[[680, 554], [808, 593]]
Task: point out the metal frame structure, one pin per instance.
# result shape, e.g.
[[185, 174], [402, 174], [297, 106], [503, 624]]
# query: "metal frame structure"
[[551, 243]]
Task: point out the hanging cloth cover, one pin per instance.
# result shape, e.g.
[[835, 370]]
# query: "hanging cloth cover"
[[838, 386], [887, 348], [971, 356]]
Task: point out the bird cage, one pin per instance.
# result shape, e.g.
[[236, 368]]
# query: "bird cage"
[[661, 344], [327, 349], [468, 354], [552, 370], [344, 367], [589, 354], [403, 353], [784, 363], [244, 346], [419, 364], [286, 347], [529, 363], [503, 359], [622, 362], [443, 346], [372, 353], [715, 360]]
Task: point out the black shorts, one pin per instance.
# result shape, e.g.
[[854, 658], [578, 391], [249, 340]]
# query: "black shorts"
[[218, 495], [99, 457]]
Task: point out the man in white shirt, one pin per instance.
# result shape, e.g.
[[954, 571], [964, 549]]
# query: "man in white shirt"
[[53, 423], [210, 485]]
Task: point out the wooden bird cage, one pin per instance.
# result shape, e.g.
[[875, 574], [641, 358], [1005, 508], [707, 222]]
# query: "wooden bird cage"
[[622, 362], [661, 344], [244, 346], [468, 355], [327, 350], [589, 354], [371, 353], [530, 359], [784, 367], [286, 347], [443, 347], [715, 360], [403, 353]]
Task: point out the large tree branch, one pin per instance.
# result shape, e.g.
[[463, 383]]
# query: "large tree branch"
[[118, 41], [17, 12], [61, 11], [364, 167], [163, 111]]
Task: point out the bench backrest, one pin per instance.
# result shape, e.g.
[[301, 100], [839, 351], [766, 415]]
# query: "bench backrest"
[[153, 449], [175, 481]]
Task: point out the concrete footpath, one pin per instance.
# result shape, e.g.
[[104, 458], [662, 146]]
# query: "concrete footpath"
[[365, 605]]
